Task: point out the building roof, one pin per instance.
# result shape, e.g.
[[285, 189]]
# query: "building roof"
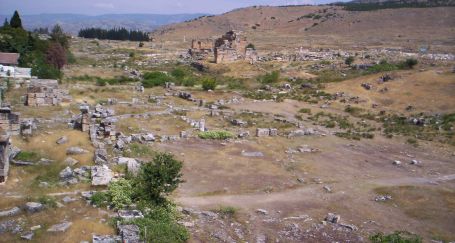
[[9, 58]]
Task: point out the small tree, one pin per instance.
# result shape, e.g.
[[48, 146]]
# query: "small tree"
[[16, 21], [349, 60], [56, 55], [6, 23], [208, 84], [410, 63], [59, 36], [158, 178]]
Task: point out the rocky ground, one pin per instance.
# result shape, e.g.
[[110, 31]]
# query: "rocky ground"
[[292, 172]]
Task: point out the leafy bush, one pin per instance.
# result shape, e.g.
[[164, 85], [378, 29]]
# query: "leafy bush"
[[349, 60], [208, 84], [396, 237], [160, 225], [48, 201], [269, 78], [226, 211], [158, 178], [120, 193], [100, 199], [153, 79], [409, 63], [178, 73], [219, 135]]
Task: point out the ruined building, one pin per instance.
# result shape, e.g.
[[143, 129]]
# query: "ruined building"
[[201, 49], [230, 47], [45, 92], [4, 154]]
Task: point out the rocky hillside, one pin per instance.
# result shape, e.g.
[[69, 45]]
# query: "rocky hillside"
[[321, 26]]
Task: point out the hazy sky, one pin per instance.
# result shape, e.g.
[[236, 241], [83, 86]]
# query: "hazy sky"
[[95, 7]]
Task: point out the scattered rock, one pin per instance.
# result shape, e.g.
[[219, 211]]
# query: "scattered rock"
[[62, 140], [327, 189], [130, 214], [10, 212], [71, 161], [382, 198], [129, 233], [416, 162], [252, 154], [27, 236], [33, 207], [333, 218], [262, 211], [75, 151], [397, 162], [62, 227], [106, 239], [101, 156], [68, 199], [66, 173]]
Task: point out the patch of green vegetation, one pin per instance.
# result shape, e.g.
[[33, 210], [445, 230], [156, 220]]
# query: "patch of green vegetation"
[[100, 199], [160, 225], [48, 201], [413, 142], [153, 79], [269, 78], [396, 237], [28, 156], [226, 211], [218, 135], [305, 110], [208, 84], [120, 193], [138, 150]]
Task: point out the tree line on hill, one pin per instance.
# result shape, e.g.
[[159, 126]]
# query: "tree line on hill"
[[46, 57], [371, 6], [114, 34]]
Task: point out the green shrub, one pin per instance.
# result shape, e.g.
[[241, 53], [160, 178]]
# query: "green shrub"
[[120, 193], [48, 201], [100, 199], [305, 110], [349, 60], [153, 79], [409, 63], [251, 45], [158, 178], [100, 82], [396, 237], [269, 78], [226, 211], [208, 84], [160, 225], [178, 73], [219, 135]]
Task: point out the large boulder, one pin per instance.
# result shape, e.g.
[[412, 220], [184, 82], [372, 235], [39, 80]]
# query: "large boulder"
[[66, 173], [129, 233], [101, 175]]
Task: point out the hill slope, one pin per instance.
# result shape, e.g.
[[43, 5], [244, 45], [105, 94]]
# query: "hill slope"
[[326, 26]]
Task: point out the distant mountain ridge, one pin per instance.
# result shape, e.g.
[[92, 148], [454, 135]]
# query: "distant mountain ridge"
[[72, 23]]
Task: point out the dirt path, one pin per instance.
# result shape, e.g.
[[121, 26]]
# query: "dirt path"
[[296, 195]]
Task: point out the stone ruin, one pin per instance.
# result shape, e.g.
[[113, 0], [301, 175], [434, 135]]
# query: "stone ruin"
[[4, 154], [201, 49], [9, 121], [230, 47], [45, 92]]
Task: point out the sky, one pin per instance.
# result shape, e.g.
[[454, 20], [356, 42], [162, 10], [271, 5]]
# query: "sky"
[[97, 7]]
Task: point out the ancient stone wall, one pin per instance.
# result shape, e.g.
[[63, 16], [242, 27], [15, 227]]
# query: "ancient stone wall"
[[45, 92], [4, 155]]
